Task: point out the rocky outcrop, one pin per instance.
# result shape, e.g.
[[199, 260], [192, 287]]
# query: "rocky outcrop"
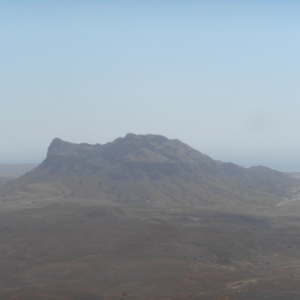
[[149, 169]]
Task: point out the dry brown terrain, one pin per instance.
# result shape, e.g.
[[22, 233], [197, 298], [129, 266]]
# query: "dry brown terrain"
[[79, 250], [146, 217]]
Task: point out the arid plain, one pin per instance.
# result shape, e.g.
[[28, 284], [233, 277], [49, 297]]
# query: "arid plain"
[[145, 217]]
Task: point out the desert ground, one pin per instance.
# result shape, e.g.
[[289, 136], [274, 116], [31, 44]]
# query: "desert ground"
[[82, 249], [156, 220]]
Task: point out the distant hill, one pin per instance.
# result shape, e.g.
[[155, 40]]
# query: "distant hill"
[[9, 172], [147, 170], [4, 179], [15, 170]]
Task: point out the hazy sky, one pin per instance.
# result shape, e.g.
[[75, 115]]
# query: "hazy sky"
[[222, 76]]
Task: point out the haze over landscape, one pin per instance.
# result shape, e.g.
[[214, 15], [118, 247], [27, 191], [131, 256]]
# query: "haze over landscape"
[[221, 76], [147, 217], [149, 150]]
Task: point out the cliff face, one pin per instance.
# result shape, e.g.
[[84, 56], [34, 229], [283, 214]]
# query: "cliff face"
[[148, 169], [133, 149]]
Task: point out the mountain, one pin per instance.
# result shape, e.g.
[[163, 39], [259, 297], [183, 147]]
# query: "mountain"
[[146, 217], [147, 170]]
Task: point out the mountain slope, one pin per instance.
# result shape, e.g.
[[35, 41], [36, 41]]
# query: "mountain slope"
[[147, 170]]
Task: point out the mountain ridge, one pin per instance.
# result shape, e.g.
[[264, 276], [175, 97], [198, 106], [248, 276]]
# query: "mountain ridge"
[[148, 170]]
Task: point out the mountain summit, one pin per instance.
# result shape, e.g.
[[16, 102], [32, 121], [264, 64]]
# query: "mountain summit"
[[139, 155], [147, 170]]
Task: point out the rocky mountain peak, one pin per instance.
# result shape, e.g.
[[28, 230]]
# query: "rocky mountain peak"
[[145, 167], [132, 148]]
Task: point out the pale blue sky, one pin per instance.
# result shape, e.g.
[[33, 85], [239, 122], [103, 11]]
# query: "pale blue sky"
[[222, 76]]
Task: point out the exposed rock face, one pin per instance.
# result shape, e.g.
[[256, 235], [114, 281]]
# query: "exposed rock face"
[[132, 157], [148, 169], [135, 150]]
